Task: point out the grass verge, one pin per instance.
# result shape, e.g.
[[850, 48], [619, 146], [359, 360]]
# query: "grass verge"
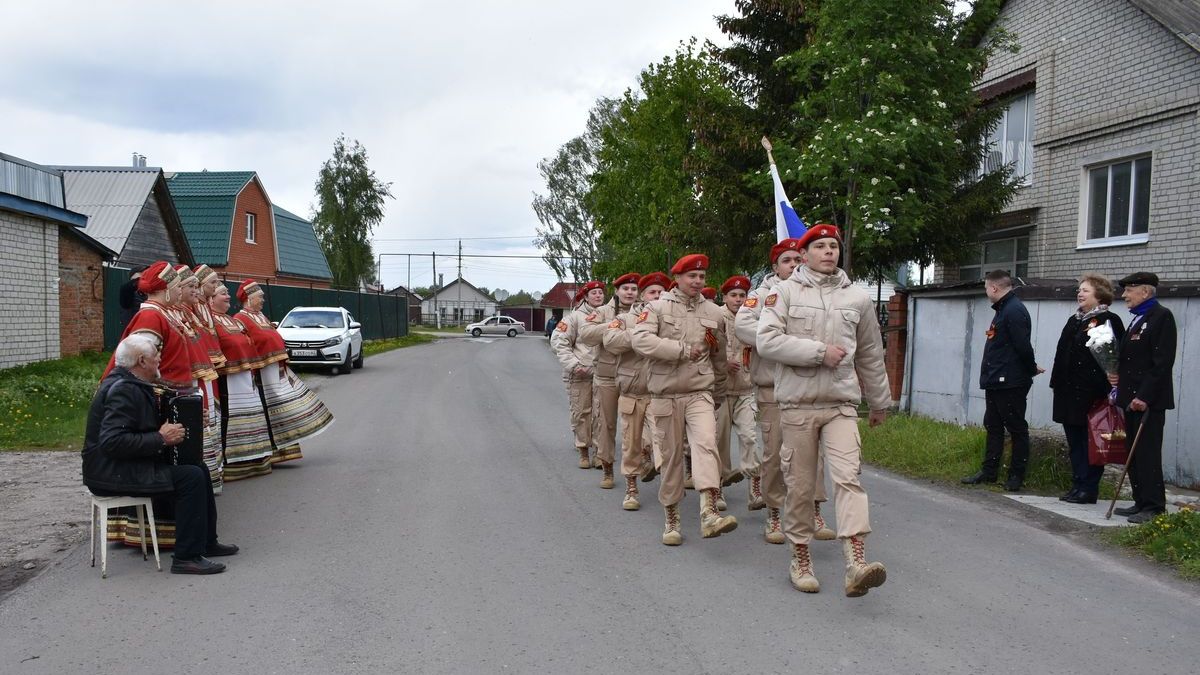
[[45, 404], [1172, 539], [372, 347]]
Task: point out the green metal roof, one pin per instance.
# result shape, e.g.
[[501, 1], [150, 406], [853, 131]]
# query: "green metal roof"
[[205, 201], [299, 251]]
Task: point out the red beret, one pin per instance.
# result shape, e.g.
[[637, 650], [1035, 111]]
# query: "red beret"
[[653, 279], [690, 262], [734, 283], [709, 292], [820, 231], [590, 286], [248, 288], [672, 285], [630, 278], [158, 277], [785, 245]]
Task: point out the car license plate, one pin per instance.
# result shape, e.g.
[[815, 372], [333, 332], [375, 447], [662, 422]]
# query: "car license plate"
[[304, 352]]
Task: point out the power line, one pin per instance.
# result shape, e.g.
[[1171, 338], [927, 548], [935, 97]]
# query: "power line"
[[531, 236]]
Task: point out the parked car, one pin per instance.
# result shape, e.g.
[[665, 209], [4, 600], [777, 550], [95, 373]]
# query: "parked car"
[[324, 336], [497, 325]]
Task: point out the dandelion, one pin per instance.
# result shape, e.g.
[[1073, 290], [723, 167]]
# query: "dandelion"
[[859, 140], [884, 108], [864, 61], [934, 92], [900, 166], [912, 191], [893, 45]]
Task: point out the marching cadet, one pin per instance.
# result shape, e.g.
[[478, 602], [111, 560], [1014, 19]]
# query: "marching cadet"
[[823, 333], [577, 362], [738, 411], [681, 335], [785, 258], [604, 386], [632, 379]]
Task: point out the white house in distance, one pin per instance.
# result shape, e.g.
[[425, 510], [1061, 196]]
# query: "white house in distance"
[[456, 304]]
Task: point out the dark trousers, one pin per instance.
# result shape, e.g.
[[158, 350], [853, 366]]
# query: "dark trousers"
[[1006, 410], [1145, 469], [1084, 477], [193, 506]]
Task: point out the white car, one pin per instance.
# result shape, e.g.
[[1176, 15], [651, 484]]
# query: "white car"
[[497, 325], [326, 336]]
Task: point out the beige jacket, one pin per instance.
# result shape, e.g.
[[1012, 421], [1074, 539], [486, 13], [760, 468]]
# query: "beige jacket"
[[591, 333], [762, 371], [633, 369], [570, 351], [737, 382], [665, 331], [803, 314]]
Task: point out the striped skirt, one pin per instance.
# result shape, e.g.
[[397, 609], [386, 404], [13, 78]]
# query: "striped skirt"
[[247, 440], [294, 412], [212, 437]]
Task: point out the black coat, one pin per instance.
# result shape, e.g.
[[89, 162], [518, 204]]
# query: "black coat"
[[122, 449], [1146, 358], [1008, 360], [1076, 377]]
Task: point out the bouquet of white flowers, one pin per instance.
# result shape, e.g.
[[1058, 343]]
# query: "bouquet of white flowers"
[[1103, 344]]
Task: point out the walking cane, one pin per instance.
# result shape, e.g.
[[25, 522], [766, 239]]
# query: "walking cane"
[[1128, 460]]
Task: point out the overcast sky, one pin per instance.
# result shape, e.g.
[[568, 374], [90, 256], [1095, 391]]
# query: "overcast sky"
[[456, 102]]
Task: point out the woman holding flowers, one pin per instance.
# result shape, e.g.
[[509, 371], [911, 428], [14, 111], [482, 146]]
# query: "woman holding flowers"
[[1079, 381]]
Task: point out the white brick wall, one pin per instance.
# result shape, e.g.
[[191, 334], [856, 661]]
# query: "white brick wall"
[[28, 289], [1110, 81]]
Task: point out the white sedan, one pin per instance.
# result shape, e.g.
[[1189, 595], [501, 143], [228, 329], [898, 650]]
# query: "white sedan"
[[497, 325], [326, 336]]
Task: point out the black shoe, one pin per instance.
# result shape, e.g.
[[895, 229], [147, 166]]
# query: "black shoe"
[[978, 478], [1066, 497], [1013, 484], [1128, 510], [218, 549], [197, 565], [1144, 516], [1081, 498]]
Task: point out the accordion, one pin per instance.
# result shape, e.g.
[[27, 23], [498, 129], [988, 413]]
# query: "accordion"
[[186, 410]]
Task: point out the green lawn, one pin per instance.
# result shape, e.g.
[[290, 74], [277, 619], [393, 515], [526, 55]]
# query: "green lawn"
[[372, 347], [1169, 539], [44, 405]]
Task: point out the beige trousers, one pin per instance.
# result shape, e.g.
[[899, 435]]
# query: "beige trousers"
[[693, 413], [604, 418], [773, 488], [805, 434], [738, 413], [634, 440], [579, 394]]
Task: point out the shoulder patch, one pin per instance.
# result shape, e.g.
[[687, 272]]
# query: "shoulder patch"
[[616, 323], [562, 327], [771, 299], [643, 316], [751, 303], [591, 317]]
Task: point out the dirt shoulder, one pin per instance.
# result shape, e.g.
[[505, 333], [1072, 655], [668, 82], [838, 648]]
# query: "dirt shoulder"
[[43, 512]]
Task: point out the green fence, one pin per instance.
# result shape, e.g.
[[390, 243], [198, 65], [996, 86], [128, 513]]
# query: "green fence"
[[381, 316]]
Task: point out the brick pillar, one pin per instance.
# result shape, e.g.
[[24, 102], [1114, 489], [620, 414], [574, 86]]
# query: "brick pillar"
[[897, 343]]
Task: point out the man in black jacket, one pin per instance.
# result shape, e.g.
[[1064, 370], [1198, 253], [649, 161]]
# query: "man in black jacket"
[[1145, 390], [1006, 374], [124, 454]]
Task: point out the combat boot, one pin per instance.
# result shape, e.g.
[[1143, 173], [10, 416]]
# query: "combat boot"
[[631, 502], [671, 534], [712, 523], [721, 505], [756, 501], [820, 529], [861, 576], [688, 483], [801, 570], [732, 477], [596, 463], [606, 482], [773, 532], [649, 472], [585, 462]]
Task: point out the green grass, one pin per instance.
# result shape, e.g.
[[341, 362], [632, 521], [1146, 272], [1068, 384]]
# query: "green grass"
[[923, 448], [1172, 539], [44, 405], [372, 347], [448, 330]]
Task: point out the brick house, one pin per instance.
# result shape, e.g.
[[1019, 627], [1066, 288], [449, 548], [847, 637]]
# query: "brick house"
[[1100, 119], [81, 261], [232, 226]]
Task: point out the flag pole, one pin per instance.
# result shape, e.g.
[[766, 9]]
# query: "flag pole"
[[766, 143]]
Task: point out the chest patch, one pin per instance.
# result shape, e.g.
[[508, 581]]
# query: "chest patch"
[[616, 323], [591, 317]]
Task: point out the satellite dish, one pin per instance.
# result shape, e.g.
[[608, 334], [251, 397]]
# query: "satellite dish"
[[537, 296], [501, 295]]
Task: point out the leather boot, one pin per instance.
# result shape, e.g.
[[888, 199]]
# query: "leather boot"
[[688, 484], [606, 481], [732, 477], [585, 462], [649, 471], [631, 502], [721, 505], [596, 463], [756, 498], [712, 523], [773, 532], [861, 576], [671, 534], [821, 531], [801, 570]]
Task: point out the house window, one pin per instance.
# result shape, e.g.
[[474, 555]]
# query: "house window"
[[1118, 201], [1011, 255], [1011, 140], [251, 229], [478, 314]]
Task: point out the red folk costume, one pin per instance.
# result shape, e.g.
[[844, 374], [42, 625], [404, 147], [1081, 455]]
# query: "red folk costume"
[[268, 343], [236, 345], [201, 365], [205, 324], [154, 318]]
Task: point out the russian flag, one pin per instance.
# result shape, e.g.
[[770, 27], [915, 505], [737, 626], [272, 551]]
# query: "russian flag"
[[788, 224]]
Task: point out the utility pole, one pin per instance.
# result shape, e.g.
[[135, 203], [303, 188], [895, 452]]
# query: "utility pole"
[[436, 314], [409, 268], [461, 312]]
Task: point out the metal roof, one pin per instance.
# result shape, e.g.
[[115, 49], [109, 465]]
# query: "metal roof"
[[111, 197], [30, 181], [299, 251], [205, 201], [1181, 17]]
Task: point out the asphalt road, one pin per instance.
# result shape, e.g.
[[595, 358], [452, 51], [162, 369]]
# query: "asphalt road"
[[441, 526]]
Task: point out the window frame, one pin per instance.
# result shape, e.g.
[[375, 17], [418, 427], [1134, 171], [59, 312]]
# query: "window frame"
[[1130, 156], [1030, 131], [1015, 263], [251, 228]]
